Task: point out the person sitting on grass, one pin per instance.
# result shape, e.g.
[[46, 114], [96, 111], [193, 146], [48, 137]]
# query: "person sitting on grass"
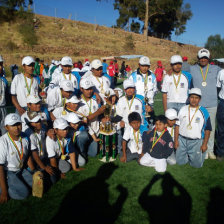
[[61, 151], [15, 179], [132, 138], [193, 131], [157, 146], [171, 115]]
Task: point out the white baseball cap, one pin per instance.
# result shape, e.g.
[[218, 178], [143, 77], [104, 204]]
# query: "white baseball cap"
[[67, 86], [66, 61], [73, 99], [34, 119], [144, 61], [12, 119], [73, 118], [28, 60], [171, 114], [176, 59], [203, 53], [120, 91], [96, 64], [60, 123], [1, 59], [128, 84], [33, 99], [53, 61], [85, 83], [195, 91]]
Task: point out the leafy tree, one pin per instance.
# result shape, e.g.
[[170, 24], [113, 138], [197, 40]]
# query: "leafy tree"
[[216, 45]]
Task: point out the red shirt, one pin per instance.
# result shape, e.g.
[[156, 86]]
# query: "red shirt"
[[116, 67], [111, 70], [159, 74]]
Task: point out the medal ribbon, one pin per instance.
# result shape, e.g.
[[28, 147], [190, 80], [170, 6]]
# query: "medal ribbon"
[[101, 83], [20, 139], [178, 81], [204, 77], [73, 138], [172, 131], [132, 100], [154, 142], [136, 138], [87, 103], [63, 101], [40, 144], [61, 148], [27, 87], [65, 76], [189, 116]]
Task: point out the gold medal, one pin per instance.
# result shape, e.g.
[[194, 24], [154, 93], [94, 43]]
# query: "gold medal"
[[204, 84], [64, 112], [189, 127], [63, 157], [21, 164]]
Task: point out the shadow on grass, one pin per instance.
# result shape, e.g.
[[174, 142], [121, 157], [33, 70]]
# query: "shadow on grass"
[[215, 209], [88, 201], [168, 207]]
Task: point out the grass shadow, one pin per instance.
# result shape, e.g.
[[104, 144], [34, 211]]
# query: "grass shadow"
[[88, 201]]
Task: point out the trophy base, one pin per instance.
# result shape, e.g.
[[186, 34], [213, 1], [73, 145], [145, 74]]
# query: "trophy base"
[[107, 133], [104, 159], [148, 115]]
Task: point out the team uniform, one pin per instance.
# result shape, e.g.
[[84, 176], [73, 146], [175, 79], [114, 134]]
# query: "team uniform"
[[3, 92], [193, 122], [177, 87], [220, 115], [10, 158], [134, 142], [172, 158], [22, 86], [157, 147]]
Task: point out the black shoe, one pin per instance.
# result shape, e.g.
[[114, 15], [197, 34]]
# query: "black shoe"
[[220, 158]]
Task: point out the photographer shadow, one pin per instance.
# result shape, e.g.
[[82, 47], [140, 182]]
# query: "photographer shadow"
[[88, 201], [169, 207]]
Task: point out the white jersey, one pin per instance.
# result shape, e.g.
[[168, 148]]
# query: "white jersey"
[[9, 157], [220, 83], [3, 87], [90, 107], [134, 140], [19, 88], [179, 93]]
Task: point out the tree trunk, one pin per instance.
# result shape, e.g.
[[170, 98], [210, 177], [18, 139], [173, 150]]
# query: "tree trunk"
[[146, 18]]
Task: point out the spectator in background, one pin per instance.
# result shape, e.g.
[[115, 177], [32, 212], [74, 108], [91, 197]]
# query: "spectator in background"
[[2, 72], [159, 72], [122, 71], [105, 66], [76, 68], [80, 66], [111, 72], [128, 70], [86, 66], [37, 67], [185, 65], [116, 71], [14, 70]]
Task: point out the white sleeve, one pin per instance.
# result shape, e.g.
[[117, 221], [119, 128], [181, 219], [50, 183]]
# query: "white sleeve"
[[34, 142], [3, 153], [14, 85], [119, 108], [126, 135], [51, 98], [165, 85], [90, 131], [50, 147], [219, 79]]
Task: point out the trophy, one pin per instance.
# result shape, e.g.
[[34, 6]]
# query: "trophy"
[[42, 93], [147, 114]]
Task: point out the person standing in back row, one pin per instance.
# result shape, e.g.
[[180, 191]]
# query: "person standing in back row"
[[204, 77]]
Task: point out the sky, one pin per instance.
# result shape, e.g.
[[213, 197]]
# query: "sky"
[[206, 20]]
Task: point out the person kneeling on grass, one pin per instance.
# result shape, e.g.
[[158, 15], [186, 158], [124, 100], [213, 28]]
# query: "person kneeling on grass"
[[157, 146], [132, 138], [15, 179], [193, 131], [61, 151]]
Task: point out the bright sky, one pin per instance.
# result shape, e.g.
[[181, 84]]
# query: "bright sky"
[[206, 20]]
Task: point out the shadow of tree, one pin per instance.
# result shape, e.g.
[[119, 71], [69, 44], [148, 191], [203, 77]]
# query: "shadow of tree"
[[168, 207], [88, 200]]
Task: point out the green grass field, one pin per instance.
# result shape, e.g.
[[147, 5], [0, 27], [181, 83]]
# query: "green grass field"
[[127, 193]]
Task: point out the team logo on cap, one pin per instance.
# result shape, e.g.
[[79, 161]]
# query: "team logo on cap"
[[145, 59], [14, 117], [87, 82]]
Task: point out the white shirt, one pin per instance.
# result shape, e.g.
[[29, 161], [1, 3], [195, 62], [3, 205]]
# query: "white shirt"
[[175, 95], [151, 86], [171, 131], [54, 98], [101, 84], [123, 110], [132, 144], [220, 83], [18, 88], [38, 142], [85, 110], [57, 77], [199, 122], [53, 148], [2, 92], [9, 156]]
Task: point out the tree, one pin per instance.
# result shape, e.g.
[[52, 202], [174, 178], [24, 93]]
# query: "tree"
[[215, 44]]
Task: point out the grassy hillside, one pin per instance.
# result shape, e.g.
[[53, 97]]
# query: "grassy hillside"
[[80, 40]]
